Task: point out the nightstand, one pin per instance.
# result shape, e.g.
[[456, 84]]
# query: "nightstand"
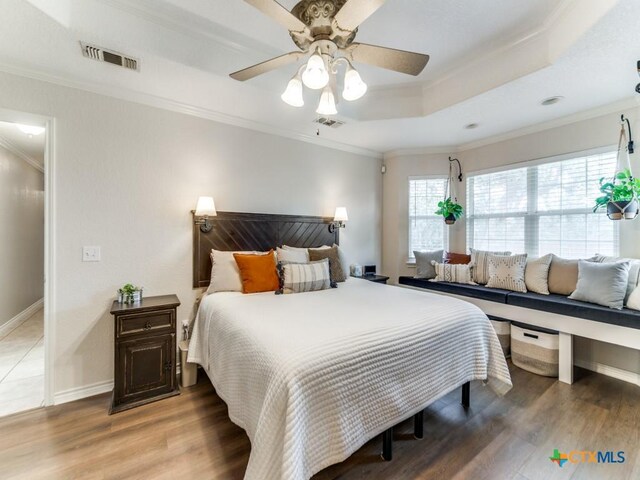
[[375, 278], [145, 351]]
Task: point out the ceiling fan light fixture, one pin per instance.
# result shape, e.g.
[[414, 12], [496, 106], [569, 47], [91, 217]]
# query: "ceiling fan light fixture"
[[293, 94], [315, 76], [354, 86], [327, 105]]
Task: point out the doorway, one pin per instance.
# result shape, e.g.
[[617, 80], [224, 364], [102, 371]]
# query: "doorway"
[[23, 152]]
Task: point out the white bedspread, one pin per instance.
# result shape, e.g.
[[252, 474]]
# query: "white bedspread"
[[312, 376]]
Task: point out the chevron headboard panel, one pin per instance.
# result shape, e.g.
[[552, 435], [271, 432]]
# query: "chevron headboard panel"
[[256, 231]]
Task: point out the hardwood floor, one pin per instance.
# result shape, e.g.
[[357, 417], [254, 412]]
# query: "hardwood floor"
[[190, 436]]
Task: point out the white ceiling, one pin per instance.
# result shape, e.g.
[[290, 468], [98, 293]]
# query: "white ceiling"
[[492, 62], [30, 148]]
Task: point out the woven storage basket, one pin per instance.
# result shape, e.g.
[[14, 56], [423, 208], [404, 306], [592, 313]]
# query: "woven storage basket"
[[535, 349], [502, 326]]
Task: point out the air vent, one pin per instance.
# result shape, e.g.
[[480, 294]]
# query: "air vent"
[[109, 56], [328, 122]]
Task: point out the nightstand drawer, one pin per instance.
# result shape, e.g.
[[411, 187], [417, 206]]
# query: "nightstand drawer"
[[158, 321]]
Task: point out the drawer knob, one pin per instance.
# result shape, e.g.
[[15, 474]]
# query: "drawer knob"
[[147, 326], [167, 365]]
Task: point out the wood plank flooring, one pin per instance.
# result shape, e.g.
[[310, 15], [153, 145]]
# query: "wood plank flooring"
[[190, 436]]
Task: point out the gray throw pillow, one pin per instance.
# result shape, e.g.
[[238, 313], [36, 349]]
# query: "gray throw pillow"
[[602, 283], [424, 268]]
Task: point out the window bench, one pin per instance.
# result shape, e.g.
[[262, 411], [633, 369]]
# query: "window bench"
[[555, 312]]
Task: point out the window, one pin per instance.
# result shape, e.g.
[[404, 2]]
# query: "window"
[[427, 231], [540, 209]]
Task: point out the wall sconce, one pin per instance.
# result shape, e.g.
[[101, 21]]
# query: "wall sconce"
[[339, 219], [205, 209]]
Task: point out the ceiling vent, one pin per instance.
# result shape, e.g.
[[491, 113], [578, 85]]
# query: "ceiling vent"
[[328, 122], [109, 56]]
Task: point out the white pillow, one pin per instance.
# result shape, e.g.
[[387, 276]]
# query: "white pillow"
[[633, 302], [536, 275], [292, 255], [225, 274], [480, 258], [507, 272], [453, 272], [301, 251]]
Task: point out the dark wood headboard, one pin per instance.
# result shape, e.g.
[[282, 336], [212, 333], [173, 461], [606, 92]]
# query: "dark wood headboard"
[[256, 231]]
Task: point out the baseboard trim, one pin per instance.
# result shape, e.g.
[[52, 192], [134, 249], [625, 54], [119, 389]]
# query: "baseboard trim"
[[79, 393], [608, 370], [21, 317]]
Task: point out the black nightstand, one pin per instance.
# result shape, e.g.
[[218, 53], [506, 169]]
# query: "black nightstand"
[[374, 278], [145, 351]]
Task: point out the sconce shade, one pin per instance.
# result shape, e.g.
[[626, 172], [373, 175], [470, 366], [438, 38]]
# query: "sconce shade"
[[205, 207], [341, 215]]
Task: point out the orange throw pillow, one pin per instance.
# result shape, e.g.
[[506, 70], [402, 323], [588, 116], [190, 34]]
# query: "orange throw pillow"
[[456, 258], [258, 272]]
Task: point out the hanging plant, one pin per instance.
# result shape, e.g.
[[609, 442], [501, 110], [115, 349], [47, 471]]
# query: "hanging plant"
[[450, 210], [620, 195]]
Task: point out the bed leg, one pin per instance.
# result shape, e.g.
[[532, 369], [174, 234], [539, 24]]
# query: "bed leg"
[[418, 424], [387, 444], [466, 394]]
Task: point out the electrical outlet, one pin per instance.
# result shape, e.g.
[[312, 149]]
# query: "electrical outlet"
[[90, 254]]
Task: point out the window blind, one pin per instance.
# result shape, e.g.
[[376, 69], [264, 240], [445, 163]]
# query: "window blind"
[[427, 231], [542, 209]]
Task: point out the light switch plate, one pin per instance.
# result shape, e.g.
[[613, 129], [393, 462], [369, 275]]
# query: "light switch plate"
[[90, 254]]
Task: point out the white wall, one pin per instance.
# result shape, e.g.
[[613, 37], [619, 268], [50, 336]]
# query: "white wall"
[[126, 178], [21, 235], [575, 137]]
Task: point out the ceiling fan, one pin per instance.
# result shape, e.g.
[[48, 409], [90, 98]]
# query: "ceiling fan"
[[325, 30]]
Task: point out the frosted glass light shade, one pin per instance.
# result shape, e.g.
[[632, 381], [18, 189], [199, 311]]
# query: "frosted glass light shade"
[[30, 129], [341, 215], [354, 87], [293, 94], [315, 75], [327, 105], [205, 207]]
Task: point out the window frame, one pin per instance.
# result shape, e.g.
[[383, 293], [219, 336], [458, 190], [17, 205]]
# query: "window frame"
[[411, 260], [532, 216]]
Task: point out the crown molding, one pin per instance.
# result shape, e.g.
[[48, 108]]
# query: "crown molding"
[[20, 154], [632, 102], [184, 108], [406, 152]]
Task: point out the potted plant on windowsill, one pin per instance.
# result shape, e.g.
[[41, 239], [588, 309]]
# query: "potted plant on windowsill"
[[619, 196], [450, 211]]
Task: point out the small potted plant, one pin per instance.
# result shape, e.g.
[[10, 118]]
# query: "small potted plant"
[[450, 210], [129, 294], [620, 196]]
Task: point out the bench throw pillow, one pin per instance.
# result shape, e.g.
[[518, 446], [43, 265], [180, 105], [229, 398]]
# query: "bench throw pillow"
[[536, 275], [634, 271], [481, 270], [453, 273], [335, 266], [602, 283], [305, 277], [563, 276], [457, 258], [634, 299], [507, 272], [424, 269]]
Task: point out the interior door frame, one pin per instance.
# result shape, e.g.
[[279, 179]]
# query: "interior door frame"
[[7, 115]]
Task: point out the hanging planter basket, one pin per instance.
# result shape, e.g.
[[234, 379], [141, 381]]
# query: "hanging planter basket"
[[449, 208], [450, 220], [620, 194]]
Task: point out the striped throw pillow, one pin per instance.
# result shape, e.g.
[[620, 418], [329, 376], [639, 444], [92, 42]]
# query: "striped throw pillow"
[[453, 273], [480, 259], [305, 277], [507, 272]]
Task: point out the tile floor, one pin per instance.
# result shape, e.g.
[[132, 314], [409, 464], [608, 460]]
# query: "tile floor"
[[22, 366]]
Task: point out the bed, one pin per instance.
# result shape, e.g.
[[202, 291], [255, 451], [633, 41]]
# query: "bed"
[[311, 377]]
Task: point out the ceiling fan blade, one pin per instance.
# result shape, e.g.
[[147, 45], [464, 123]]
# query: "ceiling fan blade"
[[389, 58], [264, 67], [354, 12], [279, 13]]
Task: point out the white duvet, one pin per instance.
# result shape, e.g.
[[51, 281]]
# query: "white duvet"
[[313, 376]]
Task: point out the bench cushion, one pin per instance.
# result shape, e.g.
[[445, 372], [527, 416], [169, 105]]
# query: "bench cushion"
[[574, 308], [475, 291]]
